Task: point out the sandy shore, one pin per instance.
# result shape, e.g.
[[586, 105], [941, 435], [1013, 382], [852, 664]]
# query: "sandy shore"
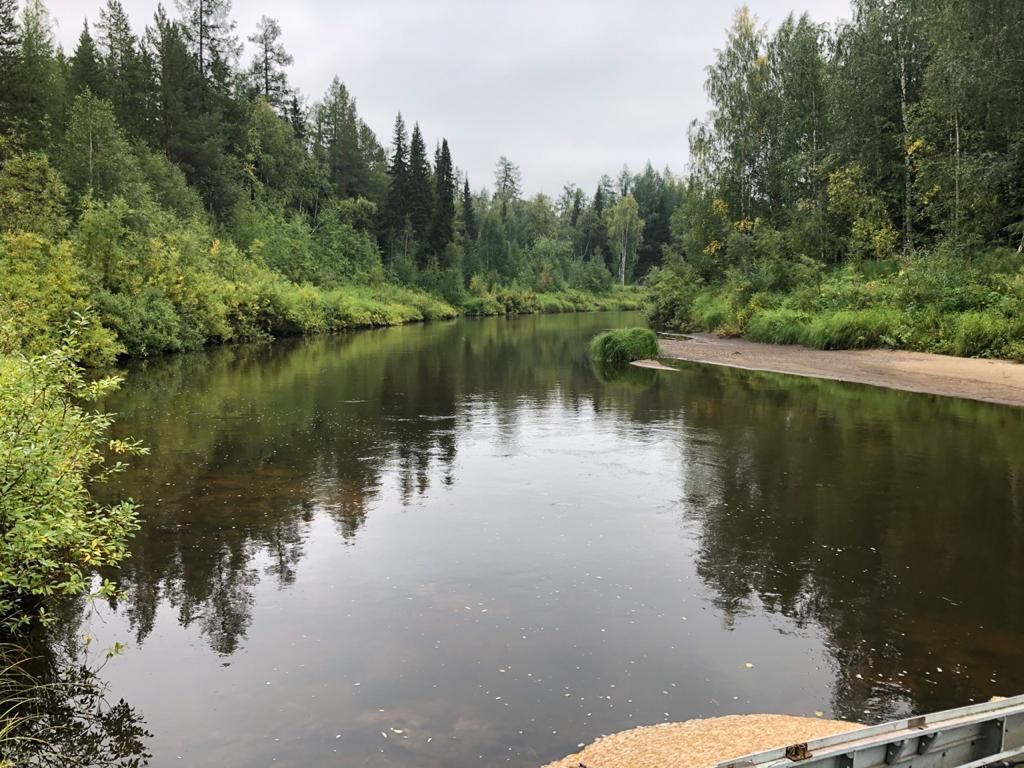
[[993, 381], [700, 743]]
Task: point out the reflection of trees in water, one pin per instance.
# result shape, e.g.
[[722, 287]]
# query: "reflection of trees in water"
[[863, 512], [812, 498], [249, 443], [55, 713]]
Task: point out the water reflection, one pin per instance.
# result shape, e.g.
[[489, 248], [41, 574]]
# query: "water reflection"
[[458, 542], [893, 521], [55, 712]]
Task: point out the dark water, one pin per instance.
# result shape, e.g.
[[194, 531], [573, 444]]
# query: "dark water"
[[455, 545]]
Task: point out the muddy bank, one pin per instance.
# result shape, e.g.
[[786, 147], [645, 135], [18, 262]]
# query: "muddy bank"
[[700, 743], [993, 381]]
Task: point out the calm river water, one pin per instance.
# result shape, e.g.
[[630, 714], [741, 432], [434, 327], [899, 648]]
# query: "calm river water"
[[456, 545]]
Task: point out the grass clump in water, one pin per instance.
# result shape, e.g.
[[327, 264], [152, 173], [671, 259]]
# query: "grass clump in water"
[[623, 345]]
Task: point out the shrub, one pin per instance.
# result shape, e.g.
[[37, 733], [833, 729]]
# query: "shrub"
[[711, 312], [853, 329], [623, 345], [672, 292], [777, 326], [978, 334], [52, 452]]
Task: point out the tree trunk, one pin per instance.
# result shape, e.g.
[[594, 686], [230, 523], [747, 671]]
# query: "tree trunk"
[[908, 223], [956, 178], [202, 39]]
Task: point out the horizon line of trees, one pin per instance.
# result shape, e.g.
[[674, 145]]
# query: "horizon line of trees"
[[310, 191]]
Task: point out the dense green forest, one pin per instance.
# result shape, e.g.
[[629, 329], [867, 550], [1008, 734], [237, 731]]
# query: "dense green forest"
[[174, 194], [860, 184]]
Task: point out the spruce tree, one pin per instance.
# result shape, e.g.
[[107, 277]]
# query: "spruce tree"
[[421, 201], [297, 119], [11, 74], [125, 67], [444, 200], [396, 205], [86, 73], [41, 97], [468, 214]]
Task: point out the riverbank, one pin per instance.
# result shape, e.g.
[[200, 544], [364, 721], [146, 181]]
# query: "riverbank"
[[701, 743], [992, 381]]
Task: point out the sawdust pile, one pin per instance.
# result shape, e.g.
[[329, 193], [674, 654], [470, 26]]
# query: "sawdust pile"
[[701, 743]]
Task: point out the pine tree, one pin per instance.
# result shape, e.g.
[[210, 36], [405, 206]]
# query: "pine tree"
[[269, 62], [468, 214], [420, 194], [444, 200], [85, 72]]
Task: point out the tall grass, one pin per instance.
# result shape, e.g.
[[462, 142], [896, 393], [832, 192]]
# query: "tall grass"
[[929, 301], [778, 326], [852, 329], [623, 345]]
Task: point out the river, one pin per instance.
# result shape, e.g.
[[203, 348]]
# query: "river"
[[455, 544]]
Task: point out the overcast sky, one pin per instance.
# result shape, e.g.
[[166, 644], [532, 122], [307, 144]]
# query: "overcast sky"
[[567, 89]]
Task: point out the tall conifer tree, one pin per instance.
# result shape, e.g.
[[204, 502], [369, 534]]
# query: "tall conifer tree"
[[85, 71], [420, 193], [444, 199], [468, 214]]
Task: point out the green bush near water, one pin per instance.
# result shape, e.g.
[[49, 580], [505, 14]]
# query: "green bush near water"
[[931, 301], [852, 329], [623, 345], [778, 326], [53, 450], [518, 301]]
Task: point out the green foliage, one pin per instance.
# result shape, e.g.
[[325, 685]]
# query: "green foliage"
[[53, 450], [624, 345], [32, 194], [42, 286], [855, 186], [711, 311], [95, 156], [852, 329], [979, 334], [778, 326]]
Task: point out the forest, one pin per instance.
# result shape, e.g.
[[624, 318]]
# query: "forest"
[[164, 188], [858, 184], [176, 195]]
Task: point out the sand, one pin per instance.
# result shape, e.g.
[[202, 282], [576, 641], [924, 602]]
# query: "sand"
[[701, 743], [993, 381], [652, 364]]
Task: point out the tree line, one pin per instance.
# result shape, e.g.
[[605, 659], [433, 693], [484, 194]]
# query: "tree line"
[[170, 139], [859, 184]]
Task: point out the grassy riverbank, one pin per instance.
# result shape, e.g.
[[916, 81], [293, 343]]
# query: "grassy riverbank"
[[932, 301]]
